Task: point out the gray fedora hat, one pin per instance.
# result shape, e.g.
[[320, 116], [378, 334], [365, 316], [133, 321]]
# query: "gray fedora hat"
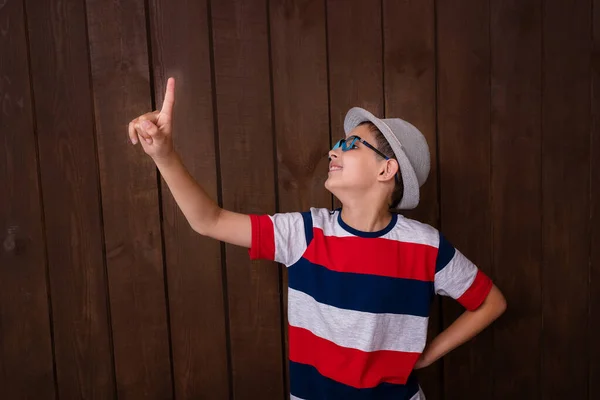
[[410, 148]]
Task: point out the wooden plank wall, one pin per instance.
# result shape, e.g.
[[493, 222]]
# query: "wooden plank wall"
[[105, 291]]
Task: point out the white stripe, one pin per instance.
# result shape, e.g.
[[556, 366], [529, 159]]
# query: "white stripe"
[[327, 221], [290, 239], [357, 329], [456, 277], [406, 230], [292, 397], [411, 231], [419, 396]]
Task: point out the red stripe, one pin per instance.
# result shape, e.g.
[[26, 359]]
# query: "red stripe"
[[351, 367], [263, 238], [477, 292], [374, 256]]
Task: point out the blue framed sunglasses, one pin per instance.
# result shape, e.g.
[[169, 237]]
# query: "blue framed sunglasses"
[[349, 143]]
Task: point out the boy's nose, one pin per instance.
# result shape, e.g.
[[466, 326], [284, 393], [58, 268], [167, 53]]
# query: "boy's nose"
[[332, 154]]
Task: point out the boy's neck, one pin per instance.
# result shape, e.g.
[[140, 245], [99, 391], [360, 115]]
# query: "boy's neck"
[[366, 219]]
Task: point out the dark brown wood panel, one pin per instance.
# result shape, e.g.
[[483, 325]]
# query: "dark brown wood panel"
[[300, 100], [410, 79], [195, 277], [93, 248], [26, 366], [60, 73], [594, 316], [298, 45], [566, 129], [119, 61], [410, 94], [355, 59], [245, 126], [464, 156], [516, 193]]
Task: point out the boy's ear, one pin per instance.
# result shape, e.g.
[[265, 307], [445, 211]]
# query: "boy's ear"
[[389, 170]]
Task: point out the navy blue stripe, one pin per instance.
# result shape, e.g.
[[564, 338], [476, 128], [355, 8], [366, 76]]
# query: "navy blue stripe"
[[360, 292], [308, 226], [363, 234], [445, 254], [307, 383]]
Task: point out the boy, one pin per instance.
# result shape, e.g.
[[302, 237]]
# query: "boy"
[[361, 278]]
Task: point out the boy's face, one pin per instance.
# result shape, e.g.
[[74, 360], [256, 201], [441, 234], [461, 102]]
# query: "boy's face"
[[354, 170]]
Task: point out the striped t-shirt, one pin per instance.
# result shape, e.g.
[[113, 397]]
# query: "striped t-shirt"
[[359, 302]]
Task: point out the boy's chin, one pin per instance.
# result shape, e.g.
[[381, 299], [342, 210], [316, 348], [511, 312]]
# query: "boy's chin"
[[335, 188], [330, 186]]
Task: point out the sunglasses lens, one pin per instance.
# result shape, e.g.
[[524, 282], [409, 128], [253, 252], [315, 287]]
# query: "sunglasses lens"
[[346, 144], [352, 142], [339, 144]]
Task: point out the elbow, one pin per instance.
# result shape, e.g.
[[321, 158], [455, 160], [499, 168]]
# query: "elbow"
[[498, 301], [502, 305], [198, 229], [494, 305], [205, 225], [197, 225]]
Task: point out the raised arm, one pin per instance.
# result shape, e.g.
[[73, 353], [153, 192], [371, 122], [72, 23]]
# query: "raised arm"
[[154, 132]]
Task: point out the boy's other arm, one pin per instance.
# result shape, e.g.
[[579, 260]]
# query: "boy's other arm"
[[469, 324]]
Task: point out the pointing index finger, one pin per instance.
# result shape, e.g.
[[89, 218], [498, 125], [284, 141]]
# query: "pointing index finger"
[[167, 108]]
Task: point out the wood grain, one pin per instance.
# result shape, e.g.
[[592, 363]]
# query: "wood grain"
[[194, 263], [464, 142], [566, 127], [245, 126], [516, 78], [60, 72], [26, 365], [132, 231]]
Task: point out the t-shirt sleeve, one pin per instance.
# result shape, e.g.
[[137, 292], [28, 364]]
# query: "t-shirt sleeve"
[[459, 278], [280, 237]]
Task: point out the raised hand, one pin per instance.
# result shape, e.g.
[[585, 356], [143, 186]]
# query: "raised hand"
[[153, 130]]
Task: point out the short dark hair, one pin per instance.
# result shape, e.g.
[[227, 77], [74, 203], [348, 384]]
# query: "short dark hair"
[[384, 146]]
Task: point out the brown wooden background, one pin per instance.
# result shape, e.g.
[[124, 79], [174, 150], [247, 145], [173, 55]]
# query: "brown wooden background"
[[105, 292]]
